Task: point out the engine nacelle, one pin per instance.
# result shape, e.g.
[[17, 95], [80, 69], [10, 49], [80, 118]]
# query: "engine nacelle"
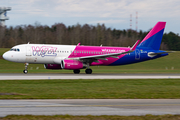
[[52, 66], [72, 64]]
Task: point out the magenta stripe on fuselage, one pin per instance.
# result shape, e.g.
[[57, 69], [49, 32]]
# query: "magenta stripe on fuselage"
[[83, 51], [158, 27]]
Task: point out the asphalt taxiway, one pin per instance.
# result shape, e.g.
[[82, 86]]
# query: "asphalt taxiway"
[[19, 76], [123, 107]]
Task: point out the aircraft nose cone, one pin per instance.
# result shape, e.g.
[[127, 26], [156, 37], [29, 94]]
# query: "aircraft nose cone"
[[6, 56]]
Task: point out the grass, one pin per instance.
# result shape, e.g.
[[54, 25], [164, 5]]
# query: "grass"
[[90, 89], [167, 64], [90, 117]]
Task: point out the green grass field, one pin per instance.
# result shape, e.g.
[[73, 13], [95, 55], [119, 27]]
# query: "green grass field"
[[90, 89], [167, 64]]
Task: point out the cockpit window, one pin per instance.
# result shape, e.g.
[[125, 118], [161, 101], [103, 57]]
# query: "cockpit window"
[[11, 49], [14, 49]]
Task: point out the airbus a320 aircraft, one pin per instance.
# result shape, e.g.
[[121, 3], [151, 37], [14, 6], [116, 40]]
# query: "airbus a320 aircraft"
[[82, 57]]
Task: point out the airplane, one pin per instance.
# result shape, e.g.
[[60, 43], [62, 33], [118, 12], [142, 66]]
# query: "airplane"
[[76, 57]]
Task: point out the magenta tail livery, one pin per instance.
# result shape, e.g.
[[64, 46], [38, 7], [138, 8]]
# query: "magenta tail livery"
[[82, 57]]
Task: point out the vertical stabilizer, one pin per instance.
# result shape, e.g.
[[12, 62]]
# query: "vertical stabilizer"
[[154, 37]]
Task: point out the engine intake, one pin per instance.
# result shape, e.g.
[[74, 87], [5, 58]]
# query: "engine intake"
[[72, 64], [52, 66]]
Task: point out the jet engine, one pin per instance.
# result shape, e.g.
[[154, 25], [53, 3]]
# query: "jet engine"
[[52, 66], [72, 64]]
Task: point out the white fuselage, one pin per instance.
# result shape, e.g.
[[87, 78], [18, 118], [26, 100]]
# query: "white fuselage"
[[38, 53]]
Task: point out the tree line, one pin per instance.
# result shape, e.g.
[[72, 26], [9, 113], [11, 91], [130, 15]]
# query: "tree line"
[[84, 34]]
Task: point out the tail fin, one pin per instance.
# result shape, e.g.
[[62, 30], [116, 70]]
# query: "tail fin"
[[154, 37]]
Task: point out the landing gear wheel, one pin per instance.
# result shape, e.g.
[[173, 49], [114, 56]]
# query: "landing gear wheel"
[[26, 67], [77, 71], [88, 71], [25, 71]]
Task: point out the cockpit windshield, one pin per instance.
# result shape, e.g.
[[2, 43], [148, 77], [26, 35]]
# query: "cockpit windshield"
[[14, 49]]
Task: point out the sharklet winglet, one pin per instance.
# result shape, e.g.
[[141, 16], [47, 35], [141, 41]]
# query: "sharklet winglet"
[[134, 46]]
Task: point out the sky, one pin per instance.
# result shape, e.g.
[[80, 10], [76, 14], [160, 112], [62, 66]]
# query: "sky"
[[112, 13]]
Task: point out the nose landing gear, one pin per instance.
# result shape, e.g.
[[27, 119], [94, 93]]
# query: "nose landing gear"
[[26, 67]]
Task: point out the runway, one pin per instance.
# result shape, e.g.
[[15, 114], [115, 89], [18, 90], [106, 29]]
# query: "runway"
[[123, 107], [21, 76]]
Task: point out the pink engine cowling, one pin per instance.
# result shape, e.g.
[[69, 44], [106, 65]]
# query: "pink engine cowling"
[[72, 64], [52, 66]]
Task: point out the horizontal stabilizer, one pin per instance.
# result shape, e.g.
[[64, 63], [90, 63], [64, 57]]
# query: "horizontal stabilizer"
[[152, 54]]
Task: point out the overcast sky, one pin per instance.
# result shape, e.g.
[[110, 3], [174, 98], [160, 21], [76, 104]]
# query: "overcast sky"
[[113, 13]]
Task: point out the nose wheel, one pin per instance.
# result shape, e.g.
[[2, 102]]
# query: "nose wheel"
[[26, 67], [25, 71]]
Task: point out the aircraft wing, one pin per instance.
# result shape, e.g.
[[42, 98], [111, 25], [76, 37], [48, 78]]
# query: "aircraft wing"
[[94, 58], [102, 57]]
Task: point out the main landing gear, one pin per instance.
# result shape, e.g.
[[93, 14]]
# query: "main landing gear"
[[88, 71], [26, 67], [77, 71]]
